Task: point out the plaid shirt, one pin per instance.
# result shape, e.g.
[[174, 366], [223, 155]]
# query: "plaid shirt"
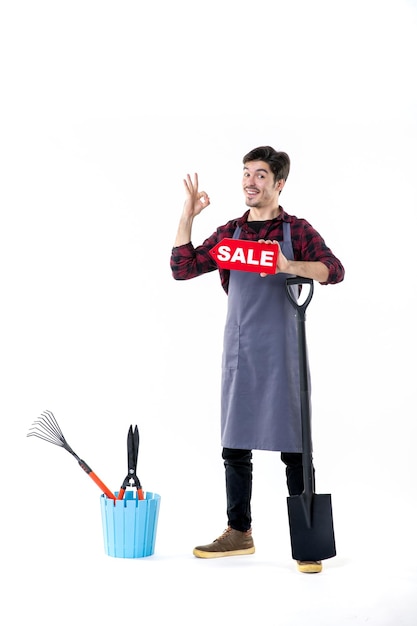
[[308, 245]]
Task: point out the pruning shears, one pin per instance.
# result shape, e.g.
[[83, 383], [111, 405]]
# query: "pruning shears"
[[132, 479]]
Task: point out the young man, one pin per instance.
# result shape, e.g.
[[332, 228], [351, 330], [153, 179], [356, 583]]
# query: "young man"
[[260, 403]]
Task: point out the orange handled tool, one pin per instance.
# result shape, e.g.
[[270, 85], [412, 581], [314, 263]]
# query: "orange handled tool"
[[46, 427], [94, 477]]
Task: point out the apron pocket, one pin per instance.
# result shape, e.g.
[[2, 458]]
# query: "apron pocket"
[[230, 359]]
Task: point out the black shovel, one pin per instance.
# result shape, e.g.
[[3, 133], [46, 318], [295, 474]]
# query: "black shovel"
[[310, 515]]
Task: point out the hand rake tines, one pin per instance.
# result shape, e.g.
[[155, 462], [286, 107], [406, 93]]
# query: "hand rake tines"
[[47, 428]]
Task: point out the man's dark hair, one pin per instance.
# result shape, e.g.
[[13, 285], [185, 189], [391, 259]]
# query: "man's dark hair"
[[279, 162]]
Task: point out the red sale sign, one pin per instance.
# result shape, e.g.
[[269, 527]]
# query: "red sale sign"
[[248, 256]]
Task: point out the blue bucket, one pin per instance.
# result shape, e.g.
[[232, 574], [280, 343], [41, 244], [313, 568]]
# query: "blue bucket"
[[129, 525]]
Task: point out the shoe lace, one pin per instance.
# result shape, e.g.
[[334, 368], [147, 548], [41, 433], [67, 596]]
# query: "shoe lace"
[[229, 529], [226, 532]]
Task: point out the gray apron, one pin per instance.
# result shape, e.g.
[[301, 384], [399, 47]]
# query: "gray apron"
[[260, 397]]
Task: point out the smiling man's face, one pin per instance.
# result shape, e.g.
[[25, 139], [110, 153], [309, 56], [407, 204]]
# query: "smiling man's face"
[[258, 184]]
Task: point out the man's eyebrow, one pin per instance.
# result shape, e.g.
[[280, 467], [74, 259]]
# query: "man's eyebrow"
[[259, 169]]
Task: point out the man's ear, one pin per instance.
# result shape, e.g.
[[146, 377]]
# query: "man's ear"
[[279, 185]]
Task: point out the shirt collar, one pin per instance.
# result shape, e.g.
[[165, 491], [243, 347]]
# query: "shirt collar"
[[282, 216]]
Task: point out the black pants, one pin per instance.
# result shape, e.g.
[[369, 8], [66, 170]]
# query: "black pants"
[[238, 466]]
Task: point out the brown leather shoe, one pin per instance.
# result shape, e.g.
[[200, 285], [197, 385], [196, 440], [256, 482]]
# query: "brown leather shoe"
[[309, 567], [231, 543]]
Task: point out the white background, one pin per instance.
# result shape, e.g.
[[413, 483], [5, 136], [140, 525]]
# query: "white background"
[[105, 107]]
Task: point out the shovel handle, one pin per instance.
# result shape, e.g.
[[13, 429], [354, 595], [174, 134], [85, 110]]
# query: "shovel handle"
[[298, 280], [308, 472]]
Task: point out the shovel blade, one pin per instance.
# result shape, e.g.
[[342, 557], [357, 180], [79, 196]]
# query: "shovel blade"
[[311, 527]]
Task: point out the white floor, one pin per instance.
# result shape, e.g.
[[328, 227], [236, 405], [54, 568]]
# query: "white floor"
[[66, 588], [55, 570]]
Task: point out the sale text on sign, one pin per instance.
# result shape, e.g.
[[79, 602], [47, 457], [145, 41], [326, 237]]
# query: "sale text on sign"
[[248, 256]]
